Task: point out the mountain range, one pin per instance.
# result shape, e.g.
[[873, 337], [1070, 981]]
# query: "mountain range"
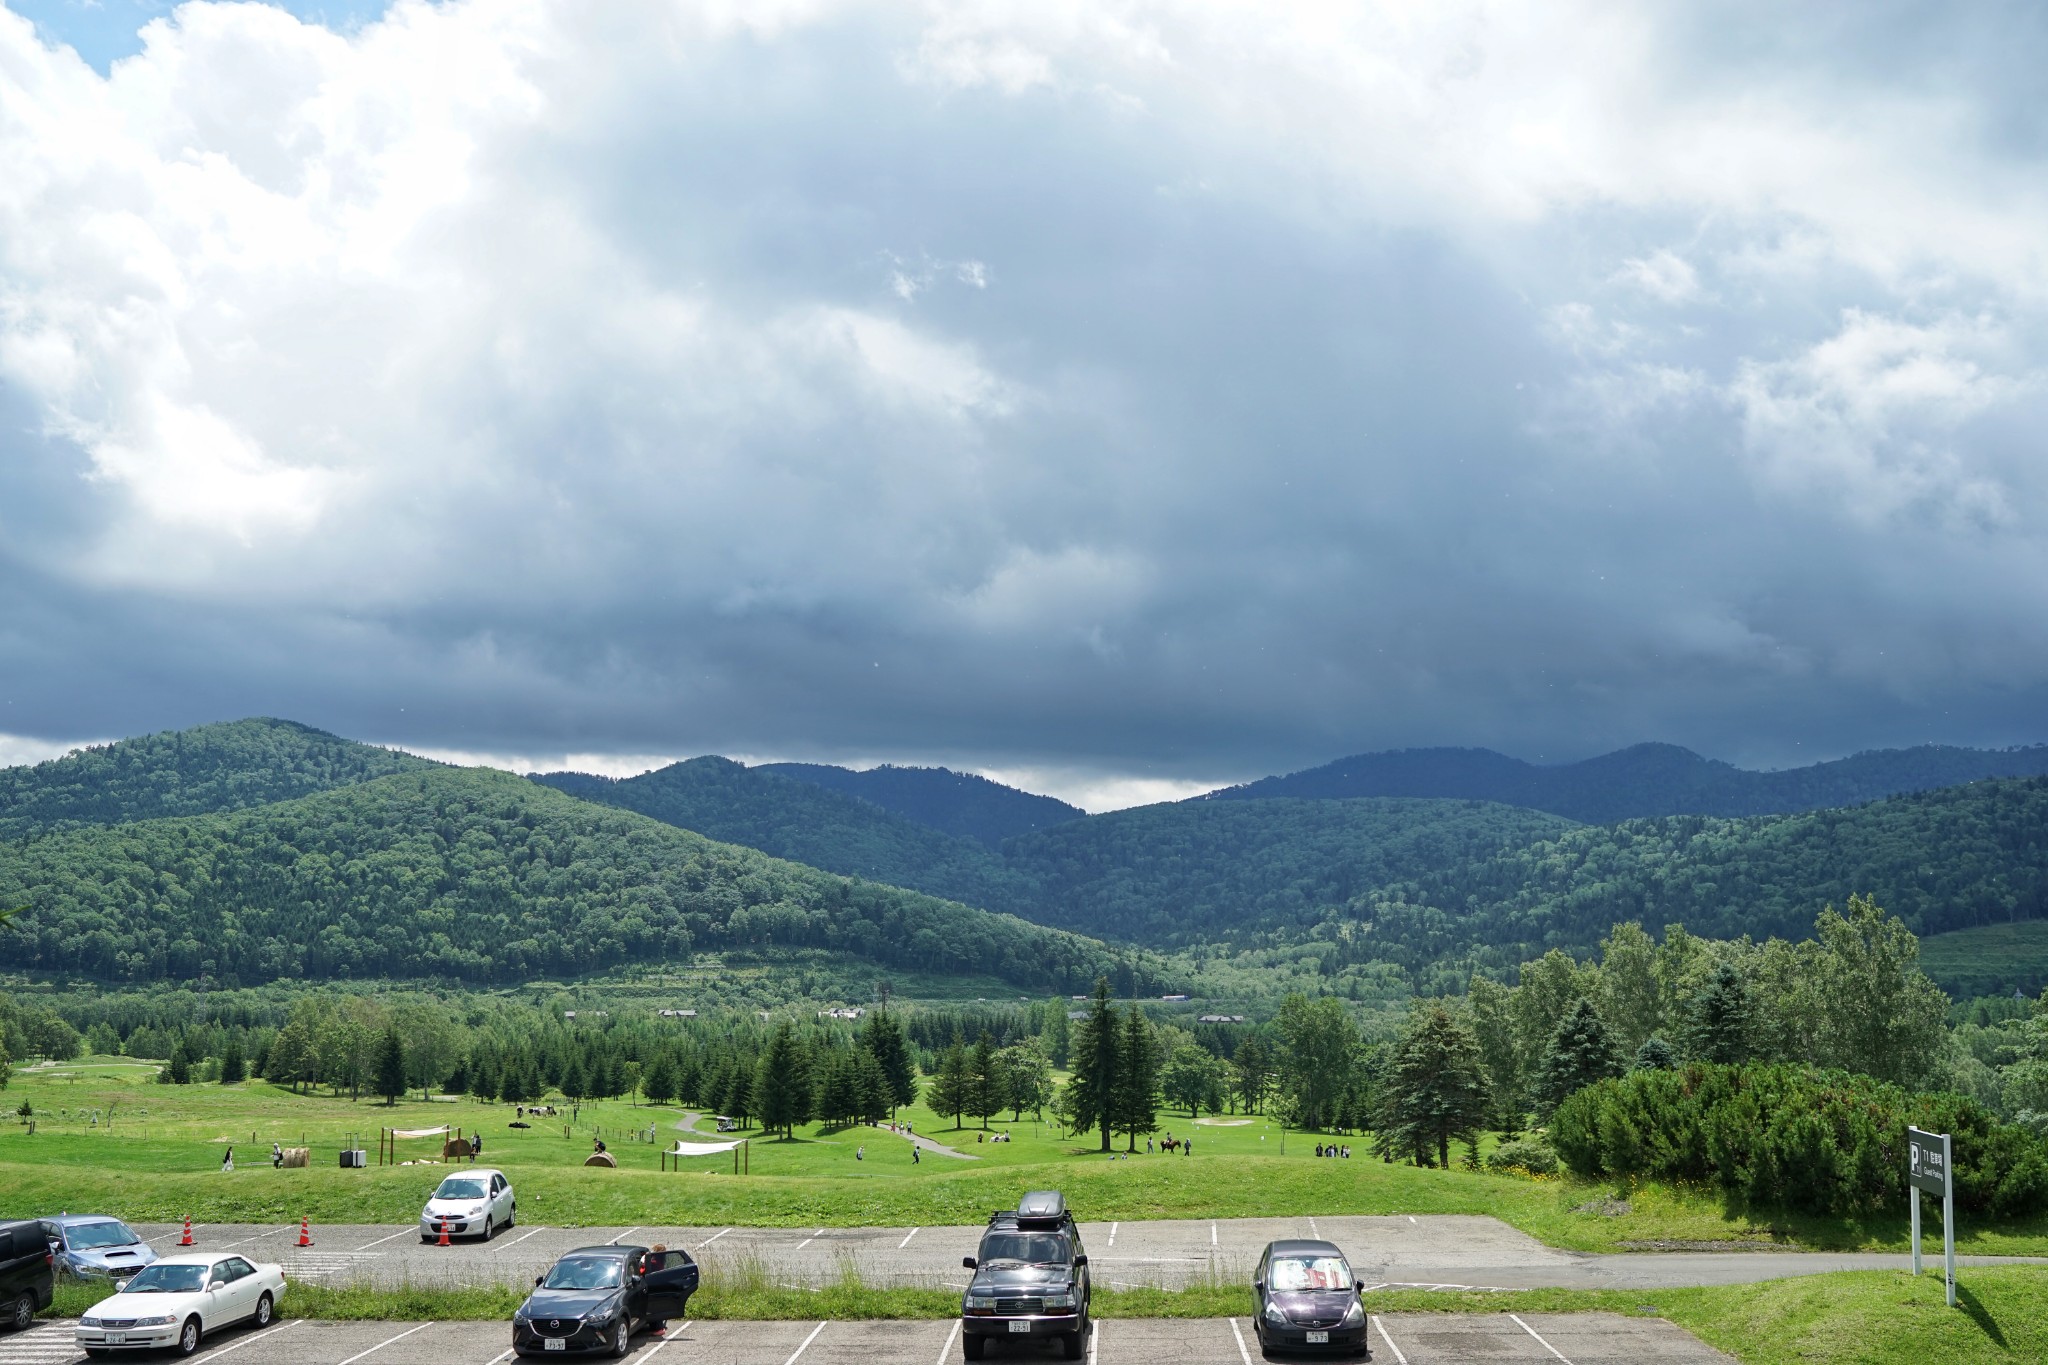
[[286, 851]]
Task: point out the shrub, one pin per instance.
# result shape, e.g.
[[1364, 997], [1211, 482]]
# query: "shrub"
[[1825, 1142], [1524, 1154]]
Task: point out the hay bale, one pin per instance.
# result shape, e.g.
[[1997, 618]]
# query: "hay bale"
[[456, 1149], [600, 1159], [296, 1158]]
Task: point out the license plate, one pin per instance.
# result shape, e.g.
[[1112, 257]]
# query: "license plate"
[[554, 1344], [1319, 1338], [1020, 1326], [117, 1338]]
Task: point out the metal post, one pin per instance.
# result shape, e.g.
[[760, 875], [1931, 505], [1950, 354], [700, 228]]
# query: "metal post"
[[1914, 1192], [1948, 1211]]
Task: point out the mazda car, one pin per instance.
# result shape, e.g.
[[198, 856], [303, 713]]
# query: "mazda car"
[[1309, 1300], [593, 1299]]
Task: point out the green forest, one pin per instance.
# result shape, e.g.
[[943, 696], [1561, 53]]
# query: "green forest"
[[472, 875]]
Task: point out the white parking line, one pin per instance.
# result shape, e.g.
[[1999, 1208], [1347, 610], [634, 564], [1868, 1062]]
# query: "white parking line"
[[382, 1240], [648, 1354], [807, 1344], [1112, 1232], [1411, 1218], [1094, 1341], [1312, 1230], [810, 1239], [249, 1340], [624, 1235], [1539, 1340], [269, 1232], [1212, 1232], [1241, 1351], [382, 1344], [499, 1359], [709, 1240], [906, 1242], [522, 1237], [1401, 1359], [951, 1337]]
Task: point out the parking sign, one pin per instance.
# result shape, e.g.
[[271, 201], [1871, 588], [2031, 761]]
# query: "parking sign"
[[1927, 1161]]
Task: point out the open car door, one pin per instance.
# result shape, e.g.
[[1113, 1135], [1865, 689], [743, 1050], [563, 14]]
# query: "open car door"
[[671, 1279]]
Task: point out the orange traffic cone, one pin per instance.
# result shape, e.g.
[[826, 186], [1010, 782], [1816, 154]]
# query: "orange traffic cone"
[[305, 1234], [186, 1240], [444, 1242]]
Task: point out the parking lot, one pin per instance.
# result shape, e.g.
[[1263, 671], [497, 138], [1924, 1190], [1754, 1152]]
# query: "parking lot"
[[1403, 1338], [1427, 1251]]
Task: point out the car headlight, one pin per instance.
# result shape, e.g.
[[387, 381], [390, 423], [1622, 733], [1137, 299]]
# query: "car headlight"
[[154, 1322], [1273, 1314], [1355, 1314], [981, 1301], [1065, 1300], [88, 1321]]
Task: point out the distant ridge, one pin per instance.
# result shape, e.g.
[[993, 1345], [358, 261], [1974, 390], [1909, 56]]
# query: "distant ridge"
[[1645, 780], [965, 805]]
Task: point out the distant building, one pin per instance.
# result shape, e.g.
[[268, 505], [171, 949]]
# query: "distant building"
[[677, 1014], [1220, 1019], [1077, 997], [1173, 997], [844, 1013], [1077, 1014]]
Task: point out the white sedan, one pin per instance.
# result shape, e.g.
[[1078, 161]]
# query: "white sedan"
[[177, 1301]]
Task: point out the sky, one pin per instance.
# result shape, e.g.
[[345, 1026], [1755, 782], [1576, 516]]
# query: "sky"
[[1119, 398]]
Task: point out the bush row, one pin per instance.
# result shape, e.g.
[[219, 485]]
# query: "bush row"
[[1794, 1138]]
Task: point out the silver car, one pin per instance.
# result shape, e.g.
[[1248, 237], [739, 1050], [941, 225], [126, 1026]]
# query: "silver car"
[[92, 1246], [476, 1202]]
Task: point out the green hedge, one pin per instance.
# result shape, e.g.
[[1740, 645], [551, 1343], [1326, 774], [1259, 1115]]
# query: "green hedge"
[[1794, 1138]]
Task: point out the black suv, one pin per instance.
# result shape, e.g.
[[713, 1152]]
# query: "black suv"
[[1030, 1280], [28, 1273]]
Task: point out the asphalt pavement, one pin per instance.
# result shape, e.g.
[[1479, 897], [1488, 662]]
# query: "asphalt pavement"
[[1422, 1251], [1401, 1338]]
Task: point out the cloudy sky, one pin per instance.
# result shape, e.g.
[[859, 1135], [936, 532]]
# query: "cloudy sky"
[[1106, 395]]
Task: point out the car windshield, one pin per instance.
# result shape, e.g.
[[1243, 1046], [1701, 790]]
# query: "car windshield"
[[168, 1279], [585, 1272], [1310, 1272], [90, 1236], [460, 1187], [1039, 1248]]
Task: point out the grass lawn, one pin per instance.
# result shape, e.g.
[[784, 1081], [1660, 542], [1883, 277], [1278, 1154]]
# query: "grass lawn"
[[103, 1118], [1861, 1318]]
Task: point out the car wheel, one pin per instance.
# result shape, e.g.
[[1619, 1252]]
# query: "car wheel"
[[264, 1310], [23, 1313], [972, 1347], [188, 1337], [622, 1339], [1074, 1343], [99, 1353], [490, 1228]]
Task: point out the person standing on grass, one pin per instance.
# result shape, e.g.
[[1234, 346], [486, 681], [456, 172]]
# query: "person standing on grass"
[[913, 1154], [227, 1161], [860, 1153]]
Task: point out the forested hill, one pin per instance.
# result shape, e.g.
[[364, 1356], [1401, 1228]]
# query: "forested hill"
[[222, 767], [807, 823], [1186, 873], [962, 804], [1646, 780], [1941, 860], [470, 874]]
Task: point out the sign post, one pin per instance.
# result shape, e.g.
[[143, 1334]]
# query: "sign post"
[[1929, 1167]]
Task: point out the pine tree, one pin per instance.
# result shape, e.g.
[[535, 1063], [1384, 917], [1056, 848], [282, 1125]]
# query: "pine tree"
[[1090, 1097], [1654, 1055], [883, 1037], [839, 1095], [1137, 1095], [877, 1101], [658, 1081], [1056, 1036], [483, 1074], [986, 1092], [180, 1071], [1580, 1053], [783, 1091], [391, 1066], [574, 1084], [1436, 1089], [951, 1090], [1251, 1074], [1722, 1022], [291, 1056], [234, 1067]]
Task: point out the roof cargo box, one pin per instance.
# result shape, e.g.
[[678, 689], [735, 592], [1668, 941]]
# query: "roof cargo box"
[[1042, 1206]]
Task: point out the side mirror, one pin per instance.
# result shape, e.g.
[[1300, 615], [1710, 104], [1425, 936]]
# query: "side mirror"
[[1259, 1285], [967, 1261], [1361, 1291], [1080, 1261], [537, 1279], [212, 1285]]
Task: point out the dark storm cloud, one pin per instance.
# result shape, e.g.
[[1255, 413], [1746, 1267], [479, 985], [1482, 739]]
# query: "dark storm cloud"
[[1183, 395]]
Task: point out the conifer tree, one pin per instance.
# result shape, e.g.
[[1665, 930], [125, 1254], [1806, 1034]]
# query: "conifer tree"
[[1654, 1055], [783, 1094], [877, 1101], [658, 1081], [1090, 1097], [1251, 1074], [390, 1068], [883, 1037], [1722, 1022], [1137, 1093], [1436, 1089], [986, 1093], [234, 1067], [1581, 1052], [951, 1091]]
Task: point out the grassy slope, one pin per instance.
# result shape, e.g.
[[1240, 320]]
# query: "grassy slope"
[[160, 1144], [1995, 959]]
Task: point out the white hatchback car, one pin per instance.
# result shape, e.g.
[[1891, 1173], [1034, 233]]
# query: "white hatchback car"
[[476, 1202], [178, 1301]]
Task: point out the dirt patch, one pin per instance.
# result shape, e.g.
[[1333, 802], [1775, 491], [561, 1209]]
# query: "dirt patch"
[[1606, 1208]]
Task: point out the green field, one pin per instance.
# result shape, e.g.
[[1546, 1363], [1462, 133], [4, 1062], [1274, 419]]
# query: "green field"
[[102, 1118], [1996, 959]]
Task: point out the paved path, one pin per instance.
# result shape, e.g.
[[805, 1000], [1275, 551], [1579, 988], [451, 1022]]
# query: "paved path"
[[1429, 1251], [1399, 1339]]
